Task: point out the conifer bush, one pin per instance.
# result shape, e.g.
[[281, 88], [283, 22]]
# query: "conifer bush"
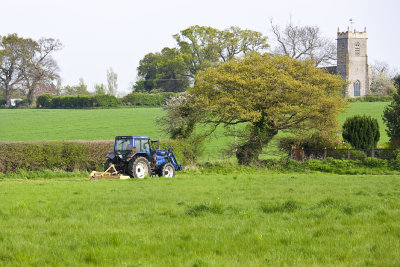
[[362, 132]]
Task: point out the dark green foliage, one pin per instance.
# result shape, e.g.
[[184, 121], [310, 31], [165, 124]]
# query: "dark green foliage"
[[45, 101], [396, 81], [371, 98], [65, 156], [391, 116], [105, 101], [146, 99], [80, 101], [361, 131]]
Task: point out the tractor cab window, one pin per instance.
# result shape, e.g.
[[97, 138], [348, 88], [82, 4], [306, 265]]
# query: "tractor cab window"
[[142, 145], [123, 146], [146, 146]]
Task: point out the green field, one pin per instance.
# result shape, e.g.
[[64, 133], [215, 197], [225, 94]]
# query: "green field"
[[243, 218], [105, 124]]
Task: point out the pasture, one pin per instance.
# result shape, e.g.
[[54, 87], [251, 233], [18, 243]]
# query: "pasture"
[[202, 218], [105, 124]]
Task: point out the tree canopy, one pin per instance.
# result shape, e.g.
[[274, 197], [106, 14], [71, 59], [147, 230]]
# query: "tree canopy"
[[268, 93], [25, 63], [198, 47]]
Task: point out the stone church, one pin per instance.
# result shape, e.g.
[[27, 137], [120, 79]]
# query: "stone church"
[[352, 62]]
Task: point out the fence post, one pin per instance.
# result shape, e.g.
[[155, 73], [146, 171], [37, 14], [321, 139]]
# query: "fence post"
[[325, 153], [348, 153]]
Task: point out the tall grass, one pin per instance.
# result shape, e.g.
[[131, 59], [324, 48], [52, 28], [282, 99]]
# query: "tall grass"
[[246, 218]]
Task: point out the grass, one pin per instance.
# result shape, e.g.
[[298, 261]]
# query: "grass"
[[241, 218], [105, 124]]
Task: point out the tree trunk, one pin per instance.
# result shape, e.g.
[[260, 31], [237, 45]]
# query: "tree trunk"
[[8, 95]]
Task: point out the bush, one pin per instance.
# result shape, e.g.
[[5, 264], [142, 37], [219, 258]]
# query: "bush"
[[371, 98], [145, 99], [361, 131], [105, 101], [375, 163], [45, 101]]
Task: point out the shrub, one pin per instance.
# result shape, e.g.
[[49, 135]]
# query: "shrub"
[[45, 101], [146, 99], [375, 163], [361, 131], [105, 101], [371, 98]]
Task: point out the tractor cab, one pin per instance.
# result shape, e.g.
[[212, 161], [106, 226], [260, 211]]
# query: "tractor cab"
[[128, 146]]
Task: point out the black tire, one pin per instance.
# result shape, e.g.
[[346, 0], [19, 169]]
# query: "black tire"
[[167, 170], [107, 164], [139, 168]]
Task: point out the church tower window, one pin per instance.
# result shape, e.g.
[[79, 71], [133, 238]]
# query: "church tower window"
[[357, 88], [357, 49]]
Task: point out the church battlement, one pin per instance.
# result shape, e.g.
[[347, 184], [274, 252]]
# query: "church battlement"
[[351, 34]]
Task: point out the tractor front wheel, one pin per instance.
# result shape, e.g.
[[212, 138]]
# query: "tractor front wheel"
[[139, 168], [168, 170]]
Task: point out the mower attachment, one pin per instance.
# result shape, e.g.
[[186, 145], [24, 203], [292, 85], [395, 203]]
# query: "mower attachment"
[[110, 173]]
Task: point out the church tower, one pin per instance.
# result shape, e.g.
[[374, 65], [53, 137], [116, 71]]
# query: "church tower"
[[352, 61]]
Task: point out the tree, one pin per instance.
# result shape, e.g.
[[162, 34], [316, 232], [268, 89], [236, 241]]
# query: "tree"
[[396, 81], [268, 93], [100, 89], [25, 63], [165, 70], [207, 46], [14, 51], [41, 69], [391, 117], [304, 42], [361, 132], [381, 79], [80, 89], [198, 47], [112, 85]]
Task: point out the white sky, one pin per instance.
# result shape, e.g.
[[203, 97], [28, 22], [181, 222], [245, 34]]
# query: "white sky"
[[99, 34]]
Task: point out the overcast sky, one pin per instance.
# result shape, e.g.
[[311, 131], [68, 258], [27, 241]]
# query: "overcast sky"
[[98, 34]]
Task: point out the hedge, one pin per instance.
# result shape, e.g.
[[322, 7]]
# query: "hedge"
[[72, 155], [80, 101], [145, 99], [371, 98]]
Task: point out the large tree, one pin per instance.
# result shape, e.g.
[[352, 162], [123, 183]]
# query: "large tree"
[[206, 46], [198, 47], [381, 79], [25, 63], [268, 93], [304, 42], [391, 117], [165, 70]]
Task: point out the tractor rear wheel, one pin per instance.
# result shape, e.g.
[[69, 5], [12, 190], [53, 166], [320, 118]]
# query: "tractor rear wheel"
[[107, 164], [139, 168], [168, 170]]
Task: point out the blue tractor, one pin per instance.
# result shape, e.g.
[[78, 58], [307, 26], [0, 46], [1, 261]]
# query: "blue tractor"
[[137, 157]]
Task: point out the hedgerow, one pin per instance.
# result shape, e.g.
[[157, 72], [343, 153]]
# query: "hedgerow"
[[75, 155]]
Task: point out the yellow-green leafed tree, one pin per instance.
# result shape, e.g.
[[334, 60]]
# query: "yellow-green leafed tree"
[[269, 93]]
